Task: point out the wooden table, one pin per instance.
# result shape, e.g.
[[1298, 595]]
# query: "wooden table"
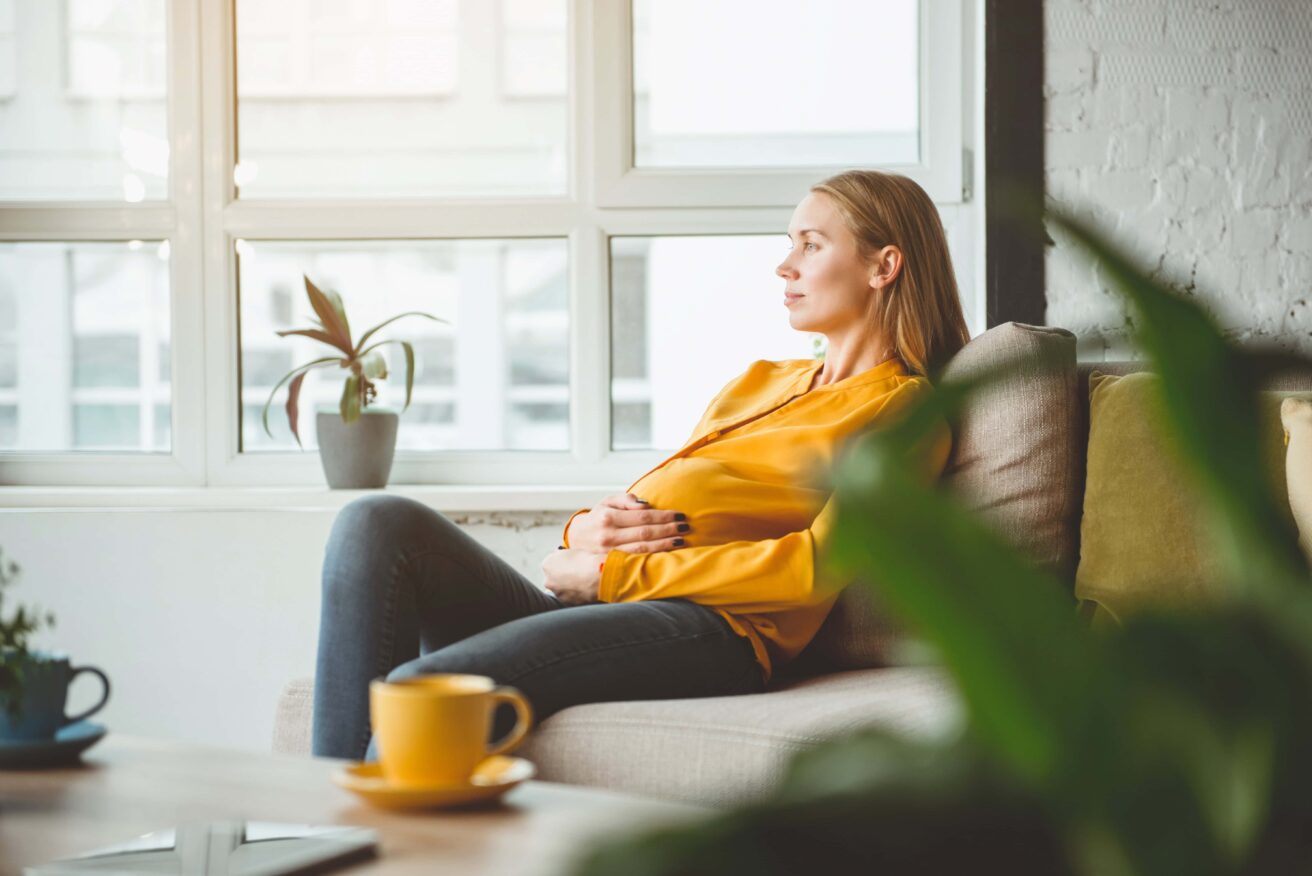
[[129, 786]]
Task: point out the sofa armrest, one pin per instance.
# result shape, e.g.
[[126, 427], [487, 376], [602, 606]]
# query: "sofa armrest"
[[294, 718]]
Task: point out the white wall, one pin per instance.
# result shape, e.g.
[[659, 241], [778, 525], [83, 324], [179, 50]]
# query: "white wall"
[[199, 617], [1184, 127]]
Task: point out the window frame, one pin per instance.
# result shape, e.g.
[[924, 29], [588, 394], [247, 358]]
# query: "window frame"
[[203, 220]]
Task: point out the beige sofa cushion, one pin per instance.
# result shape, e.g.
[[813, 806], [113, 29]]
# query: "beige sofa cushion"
[[717, 751], [1014, 458]]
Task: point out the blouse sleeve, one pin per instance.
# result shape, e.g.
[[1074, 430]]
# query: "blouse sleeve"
[[746, 576]]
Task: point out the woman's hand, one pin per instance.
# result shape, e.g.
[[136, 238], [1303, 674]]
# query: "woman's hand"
[[624, 522], [573, 575]]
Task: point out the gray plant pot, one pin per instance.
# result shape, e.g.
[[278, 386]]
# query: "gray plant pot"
[[357, 456]]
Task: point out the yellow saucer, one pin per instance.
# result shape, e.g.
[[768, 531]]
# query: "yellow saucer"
[[491, 778]]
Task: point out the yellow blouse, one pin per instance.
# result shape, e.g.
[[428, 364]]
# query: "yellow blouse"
[[749, 480]]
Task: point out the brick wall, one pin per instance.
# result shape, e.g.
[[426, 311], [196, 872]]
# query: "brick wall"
[[1183, 127]]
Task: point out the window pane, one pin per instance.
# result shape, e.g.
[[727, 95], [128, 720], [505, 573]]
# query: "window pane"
[[401, 98], [802, 85], [84, 114], [495, 378], [668, 365], [89, 327]]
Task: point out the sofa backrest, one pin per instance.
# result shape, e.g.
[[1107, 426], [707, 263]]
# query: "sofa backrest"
[[1018, 458], [1013, 459]]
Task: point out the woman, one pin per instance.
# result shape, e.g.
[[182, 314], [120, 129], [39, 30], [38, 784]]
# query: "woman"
[[707, 584]]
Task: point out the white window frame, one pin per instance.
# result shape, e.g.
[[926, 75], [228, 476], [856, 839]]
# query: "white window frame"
[[619, 184], [605, 198]]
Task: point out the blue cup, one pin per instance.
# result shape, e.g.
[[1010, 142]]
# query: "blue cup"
[[37, 712]]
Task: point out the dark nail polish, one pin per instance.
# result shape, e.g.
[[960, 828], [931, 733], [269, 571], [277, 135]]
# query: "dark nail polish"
[[683, 527], [561, 548], [680, 516], [678, 541]]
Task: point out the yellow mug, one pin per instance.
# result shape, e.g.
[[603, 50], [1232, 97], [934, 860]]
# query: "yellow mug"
[[433, 729]]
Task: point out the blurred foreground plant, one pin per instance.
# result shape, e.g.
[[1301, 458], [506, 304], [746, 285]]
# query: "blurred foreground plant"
[[1177, 743]]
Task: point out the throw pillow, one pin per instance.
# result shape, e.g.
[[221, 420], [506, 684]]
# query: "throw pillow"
[[1296, 418], [1143, 538], [1013, 459]]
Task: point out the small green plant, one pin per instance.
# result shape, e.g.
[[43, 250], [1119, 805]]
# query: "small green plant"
[[14, 634], [365, 363]]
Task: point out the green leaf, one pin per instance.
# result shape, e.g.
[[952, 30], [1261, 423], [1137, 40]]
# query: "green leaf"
[[317, 363], [409, 365], [351, 403], [365, 337], [374, 365], [332, 314], [409, 371]]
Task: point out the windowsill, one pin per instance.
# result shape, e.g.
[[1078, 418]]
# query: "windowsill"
[[442, 497]]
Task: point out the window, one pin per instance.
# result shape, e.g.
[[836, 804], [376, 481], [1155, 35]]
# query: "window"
[[593, 193]]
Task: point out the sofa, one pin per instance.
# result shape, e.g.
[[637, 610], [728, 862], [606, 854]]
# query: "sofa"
[[1018, 460]]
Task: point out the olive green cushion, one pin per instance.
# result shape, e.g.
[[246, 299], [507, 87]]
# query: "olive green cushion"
[[1143, 539]]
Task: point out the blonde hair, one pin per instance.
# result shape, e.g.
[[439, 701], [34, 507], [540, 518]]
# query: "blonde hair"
[[921, 309]]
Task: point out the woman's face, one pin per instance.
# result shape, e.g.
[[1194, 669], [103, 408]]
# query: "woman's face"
[[832, 284]]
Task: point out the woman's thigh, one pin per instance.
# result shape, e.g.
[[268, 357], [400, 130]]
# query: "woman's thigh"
[[656, 649]]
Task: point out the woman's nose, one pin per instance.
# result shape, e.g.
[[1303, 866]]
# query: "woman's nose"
[[784, 270]]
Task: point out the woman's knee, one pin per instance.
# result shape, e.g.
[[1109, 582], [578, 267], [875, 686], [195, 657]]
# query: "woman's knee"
[[380, 518], [374, 533]]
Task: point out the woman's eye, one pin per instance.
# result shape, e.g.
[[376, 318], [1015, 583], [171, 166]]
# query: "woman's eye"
[[810, 244]]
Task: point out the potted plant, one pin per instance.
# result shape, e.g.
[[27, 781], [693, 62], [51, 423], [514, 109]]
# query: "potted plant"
[[14, 634], [357, 442]]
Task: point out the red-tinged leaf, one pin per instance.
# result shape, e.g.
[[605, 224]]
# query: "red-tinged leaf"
[[293, 404], [288, 376], [317, 335], [331, 313]]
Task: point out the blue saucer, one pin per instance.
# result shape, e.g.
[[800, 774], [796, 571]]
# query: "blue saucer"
[[64, 750]]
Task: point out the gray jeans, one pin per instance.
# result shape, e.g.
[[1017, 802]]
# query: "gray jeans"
[[406, 592]]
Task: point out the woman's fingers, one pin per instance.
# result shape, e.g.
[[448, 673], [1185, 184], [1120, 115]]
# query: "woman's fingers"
[[650, 546]]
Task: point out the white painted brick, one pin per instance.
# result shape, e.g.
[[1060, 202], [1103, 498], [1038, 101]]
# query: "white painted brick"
[[1064, 184], [1067, 70], [1130, 147], [1065, 112], [1188, 110], [1296, 232], [1254, 231], [1197, 151], [1208, 191], [1076, 148], [1121, 189]]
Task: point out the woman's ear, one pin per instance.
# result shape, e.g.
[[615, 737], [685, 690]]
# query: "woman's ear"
[[886, 267]]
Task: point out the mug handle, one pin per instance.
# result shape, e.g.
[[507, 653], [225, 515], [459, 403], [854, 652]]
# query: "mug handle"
[[98, 706], [522, 726]]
